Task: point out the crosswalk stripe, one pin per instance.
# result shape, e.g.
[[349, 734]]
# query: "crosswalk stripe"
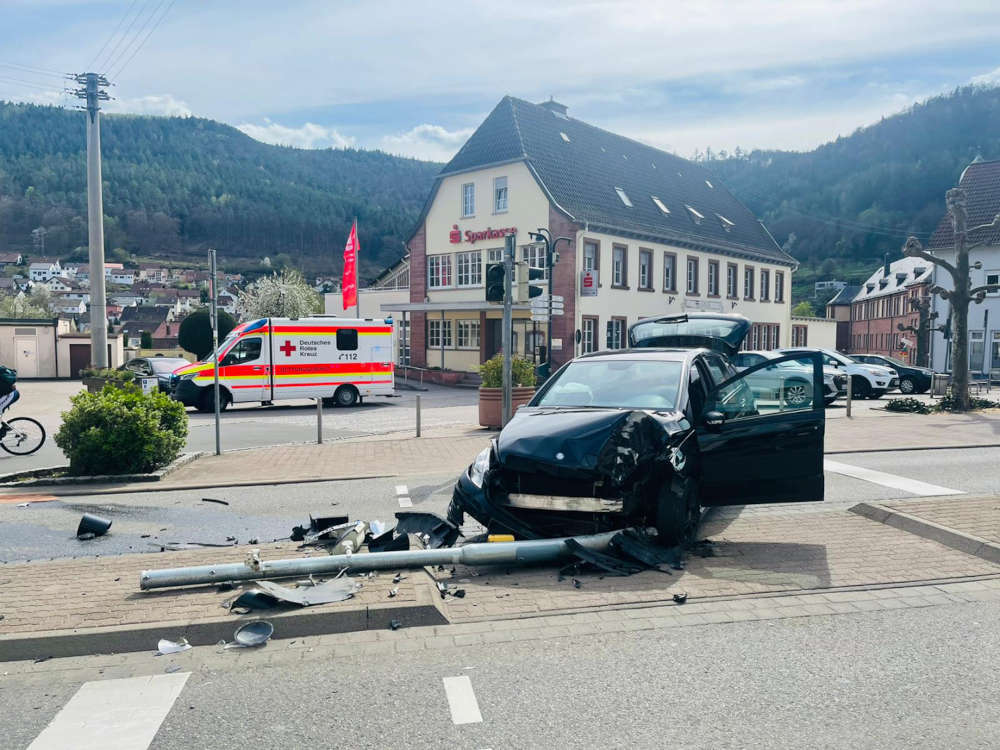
[[889, 480], [402, 490], [405, 502], [113, 714], [462, 700]]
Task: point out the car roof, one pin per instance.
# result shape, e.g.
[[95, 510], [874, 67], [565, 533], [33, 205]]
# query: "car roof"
[[652, 353]]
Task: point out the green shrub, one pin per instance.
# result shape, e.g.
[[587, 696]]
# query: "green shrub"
[[947, 402], [121, 431], [120, 376], [911, 405], [522, 372]]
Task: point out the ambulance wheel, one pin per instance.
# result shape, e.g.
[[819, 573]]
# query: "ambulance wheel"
[[207, 403], [346, 395]]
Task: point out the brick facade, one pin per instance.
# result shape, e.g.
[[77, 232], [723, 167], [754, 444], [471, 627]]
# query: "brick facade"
[[418, 290], [564, 285], [874, 322]]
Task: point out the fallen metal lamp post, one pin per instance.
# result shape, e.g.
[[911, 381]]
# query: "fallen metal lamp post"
[[488, 553]]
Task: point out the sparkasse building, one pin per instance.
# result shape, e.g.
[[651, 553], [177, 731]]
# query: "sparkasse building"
[[651, 234]]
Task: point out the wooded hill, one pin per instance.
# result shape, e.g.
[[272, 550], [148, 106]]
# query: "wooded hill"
[[176, 186]]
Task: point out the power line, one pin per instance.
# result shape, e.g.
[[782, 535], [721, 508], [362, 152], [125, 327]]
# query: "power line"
[[123, 37], [28, 83], [107, 41], [149, 33], [32, 70]]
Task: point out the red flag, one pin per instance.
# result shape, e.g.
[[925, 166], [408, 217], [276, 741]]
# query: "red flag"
[[349, 283]]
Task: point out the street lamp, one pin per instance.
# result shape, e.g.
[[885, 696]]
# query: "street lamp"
[[551, 258]]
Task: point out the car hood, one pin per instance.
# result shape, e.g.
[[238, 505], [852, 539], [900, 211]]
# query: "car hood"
[[569, 440], [717, 331]]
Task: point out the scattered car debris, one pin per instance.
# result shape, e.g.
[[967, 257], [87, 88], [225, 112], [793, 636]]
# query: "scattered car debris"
[[681, 597], [613, 565], [395, 624], [576, 583], [434, 530], [92, 525], [249, 600], [213, 500], [40, 659], [336, 590], [393, 592], [636, 546], [180, 546], [397, 578], [388, 543], [250, 635], [171, 668], [318, 528], [166, 646]]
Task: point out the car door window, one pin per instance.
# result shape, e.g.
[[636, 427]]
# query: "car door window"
[[247, 350], [697, 391], [719, 370], [776, 386], [139, 366]]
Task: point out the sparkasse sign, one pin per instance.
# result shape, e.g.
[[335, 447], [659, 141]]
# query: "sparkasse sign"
[[455, 236]]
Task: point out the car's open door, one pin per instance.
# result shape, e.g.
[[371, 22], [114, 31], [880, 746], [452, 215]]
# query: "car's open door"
[[760, 444]]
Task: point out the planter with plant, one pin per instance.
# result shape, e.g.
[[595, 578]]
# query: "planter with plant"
[[491, 391], [95, 379]]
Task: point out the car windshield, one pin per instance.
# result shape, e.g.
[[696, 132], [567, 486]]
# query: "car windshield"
[[891, 360], [616, 383], [166, 364], [837, 356]]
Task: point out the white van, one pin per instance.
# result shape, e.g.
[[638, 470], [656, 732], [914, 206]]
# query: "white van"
[[274, 359]]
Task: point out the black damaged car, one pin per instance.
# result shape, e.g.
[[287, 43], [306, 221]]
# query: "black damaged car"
[[647, 436]]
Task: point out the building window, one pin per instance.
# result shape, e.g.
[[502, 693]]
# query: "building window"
[[494, 255], [992, 279], [468, 334], [499, 195], [619, 266], [438, 271], [800, 335], [748, 282], [591, 255], [588, 341], [995, 354], [779, 286], [624, 198], [692, 275], [660, 205], [470, 268], [731, 290], [616, 333], [977, 344], [534, 256], [713, 278], [646, 270], [669, 272], [439, 334], [468, 199], [765, 285]]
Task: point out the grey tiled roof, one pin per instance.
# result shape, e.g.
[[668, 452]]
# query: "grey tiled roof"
[[581, 171], [981, 181], [903, 273], [845, 296]]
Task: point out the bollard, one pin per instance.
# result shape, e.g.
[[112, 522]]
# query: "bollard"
[[418, 416], [319, 421], [850, 384]]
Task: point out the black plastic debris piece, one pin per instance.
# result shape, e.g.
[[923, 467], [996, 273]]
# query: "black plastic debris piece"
[[393, 591], [438, 531], [249, 600], [395, 624], [213, 500], [576, 583], [602, 561], [336, 590], [253, 634], [681, 598], [226, 586], [638, 548], [398, 577], [458, 593], [443, 588], [319, 528], [93, 525], [388, 543]]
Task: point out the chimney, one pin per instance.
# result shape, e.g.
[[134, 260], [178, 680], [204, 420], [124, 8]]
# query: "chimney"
[[885, 265], [555, 107]]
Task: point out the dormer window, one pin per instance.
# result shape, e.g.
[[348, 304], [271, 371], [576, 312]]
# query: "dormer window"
[[660, 205], [883, 283], [707, 182], [696, 216], [564, 136], [919, 270], [726, 223], [900, 278], [624, 197], [870, 287]]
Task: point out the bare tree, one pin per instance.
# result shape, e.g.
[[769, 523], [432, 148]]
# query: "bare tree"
[[280, 295], [963, 293]]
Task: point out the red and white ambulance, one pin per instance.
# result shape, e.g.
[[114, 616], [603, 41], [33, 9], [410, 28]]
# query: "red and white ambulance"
[[275, 359]]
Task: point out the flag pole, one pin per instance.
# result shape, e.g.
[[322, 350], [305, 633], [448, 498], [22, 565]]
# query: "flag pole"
[[357, 254]]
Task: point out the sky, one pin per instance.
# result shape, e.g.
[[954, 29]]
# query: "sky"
[[416, 77]]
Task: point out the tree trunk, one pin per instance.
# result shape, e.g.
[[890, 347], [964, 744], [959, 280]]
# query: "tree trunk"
[[960, 320]]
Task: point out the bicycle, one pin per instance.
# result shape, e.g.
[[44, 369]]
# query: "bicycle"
[[21, 436]]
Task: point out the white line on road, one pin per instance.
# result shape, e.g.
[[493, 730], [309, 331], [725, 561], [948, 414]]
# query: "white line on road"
[[405, 502], [401, 489], [462, 700], [113, 714], [889, 480]]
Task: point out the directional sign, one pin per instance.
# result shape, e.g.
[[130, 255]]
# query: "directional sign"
[[544, 297], [540, 318], [555, 306]]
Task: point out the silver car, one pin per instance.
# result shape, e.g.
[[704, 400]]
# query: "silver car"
[[791, 381]]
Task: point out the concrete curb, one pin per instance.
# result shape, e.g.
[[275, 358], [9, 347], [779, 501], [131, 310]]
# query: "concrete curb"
[[971, 545], [913, 448], [340, 617], [7, 480]]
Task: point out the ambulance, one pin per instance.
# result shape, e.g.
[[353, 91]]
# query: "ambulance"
[[341, 360]]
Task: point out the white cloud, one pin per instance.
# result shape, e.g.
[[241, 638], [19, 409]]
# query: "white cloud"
[[165, 105], [988, 79], [309, 135], [426, 141]]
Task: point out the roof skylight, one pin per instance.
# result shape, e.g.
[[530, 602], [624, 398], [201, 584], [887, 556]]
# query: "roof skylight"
[[696, 215], [726, 223], [660, 204], [624, 197], [708, 182], [564, 136]]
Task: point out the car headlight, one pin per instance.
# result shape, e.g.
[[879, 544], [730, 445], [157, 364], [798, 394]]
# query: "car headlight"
[[477, 472]]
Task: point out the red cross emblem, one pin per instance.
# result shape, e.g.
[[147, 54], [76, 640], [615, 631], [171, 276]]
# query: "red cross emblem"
[[287, 348]]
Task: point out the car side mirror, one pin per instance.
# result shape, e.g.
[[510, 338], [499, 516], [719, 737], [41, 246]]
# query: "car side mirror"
[[714, 419]]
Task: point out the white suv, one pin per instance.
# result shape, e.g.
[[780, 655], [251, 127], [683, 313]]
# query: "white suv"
[[867, 381]]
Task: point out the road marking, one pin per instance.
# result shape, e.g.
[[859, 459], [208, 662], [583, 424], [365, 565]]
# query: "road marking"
[[113, 714], [401, 489], [889, 480], [462, 700], [27, 498], [405, 502]]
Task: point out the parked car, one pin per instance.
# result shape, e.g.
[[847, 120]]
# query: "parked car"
[[867, 381], [646, 436], [159, 367], [912, 379], [791, 379]]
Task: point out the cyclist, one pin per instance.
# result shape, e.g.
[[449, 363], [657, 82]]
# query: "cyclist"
[[8, 392]]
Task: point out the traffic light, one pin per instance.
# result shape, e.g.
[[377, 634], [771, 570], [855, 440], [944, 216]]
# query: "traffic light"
[[496, 279], [529, 282]]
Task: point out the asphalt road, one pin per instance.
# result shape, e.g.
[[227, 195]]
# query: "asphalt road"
[[267, 512], [914, 678]]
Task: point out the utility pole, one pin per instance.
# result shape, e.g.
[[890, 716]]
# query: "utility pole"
[[215, 347], [93, 93], [510, 244]]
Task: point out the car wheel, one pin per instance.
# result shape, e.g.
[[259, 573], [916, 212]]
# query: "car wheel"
[[861, 388], [797, 393], [207, 402], [677, 512], [906, 385], [346, 395]]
